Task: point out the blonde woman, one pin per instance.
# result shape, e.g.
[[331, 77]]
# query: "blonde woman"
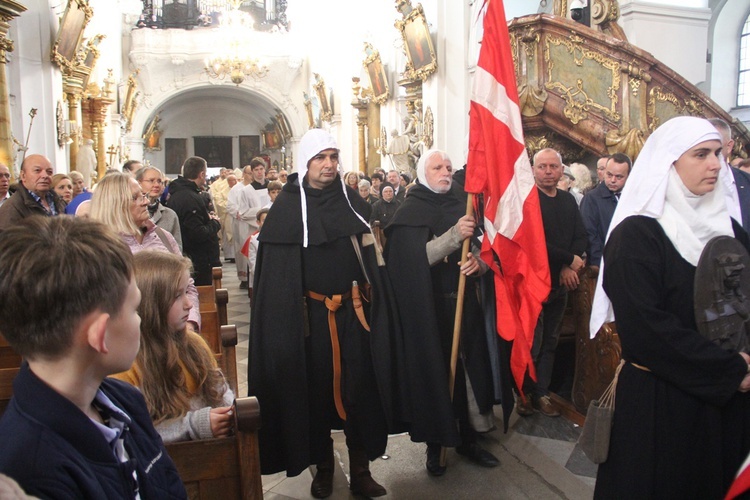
[[119, 203], [63, 186]]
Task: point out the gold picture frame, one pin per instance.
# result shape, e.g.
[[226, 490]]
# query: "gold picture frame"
[[420, 53], [376, 74], [325, 107], [65, 51]]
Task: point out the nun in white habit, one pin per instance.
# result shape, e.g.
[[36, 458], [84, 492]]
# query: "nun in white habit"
[[681, 426]]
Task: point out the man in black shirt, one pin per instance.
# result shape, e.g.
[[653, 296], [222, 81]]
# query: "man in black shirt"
[[566, 241]]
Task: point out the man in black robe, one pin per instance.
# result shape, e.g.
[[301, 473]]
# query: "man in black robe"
[[313, 357], [423, 255]]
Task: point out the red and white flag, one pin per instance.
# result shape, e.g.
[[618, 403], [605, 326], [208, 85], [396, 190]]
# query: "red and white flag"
[[499, 167]]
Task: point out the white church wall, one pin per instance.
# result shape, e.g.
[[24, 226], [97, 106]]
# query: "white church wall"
[[724, 48], [674, 34], [34, 82]]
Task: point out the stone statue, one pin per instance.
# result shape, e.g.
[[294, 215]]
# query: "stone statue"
[[398, 149], [86, 161]]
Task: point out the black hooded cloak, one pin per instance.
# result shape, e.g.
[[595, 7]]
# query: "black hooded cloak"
[[290, 349], [426, 297]]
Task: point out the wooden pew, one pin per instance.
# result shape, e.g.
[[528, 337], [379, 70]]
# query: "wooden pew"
[[221, 338], [227, 467], [10, 362]]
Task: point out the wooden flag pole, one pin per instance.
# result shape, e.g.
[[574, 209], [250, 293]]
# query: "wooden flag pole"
[[459, 314]]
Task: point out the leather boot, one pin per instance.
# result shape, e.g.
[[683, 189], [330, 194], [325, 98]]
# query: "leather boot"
[[322, 484], [362, 482]]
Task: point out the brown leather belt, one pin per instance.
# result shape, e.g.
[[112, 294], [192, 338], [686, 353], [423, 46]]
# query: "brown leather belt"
[[333, 303]]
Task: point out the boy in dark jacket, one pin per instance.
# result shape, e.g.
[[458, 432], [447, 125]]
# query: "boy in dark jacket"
[[68, 432]]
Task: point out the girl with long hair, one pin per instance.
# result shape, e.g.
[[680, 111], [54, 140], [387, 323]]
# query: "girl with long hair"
[[186, 393]]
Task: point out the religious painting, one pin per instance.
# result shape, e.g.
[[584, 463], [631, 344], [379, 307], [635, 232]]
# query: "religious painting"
[[422, 61], [74, 21], [217, 151], [249, 149], [376, 74], [152, 135], [284, 127], [271, 139], [175, 155]]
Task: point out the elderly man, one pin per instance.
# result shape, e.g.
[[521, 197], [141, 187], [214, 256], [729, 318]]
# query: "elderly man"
[[423, 252], [736, 181], [199, 228], [313, 357], [151, 181], [34, 194], [283, 174], [4, 184], [566, 242], [598, 206]]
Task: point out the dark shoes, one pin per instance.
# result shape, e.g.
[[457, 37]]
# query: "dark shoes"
[[362, 482], [243, 285], [433, 460], [523, 407], [322, 484], [478, 455], [229, 260], [546, 406]]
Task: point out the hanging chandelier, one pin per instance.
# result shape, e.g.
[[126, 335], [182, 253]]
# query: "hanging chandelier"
[[232, 58]]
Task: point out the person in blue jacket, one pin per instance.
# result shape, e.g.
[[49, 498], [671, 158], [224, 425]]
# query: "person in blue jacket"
[[68, 431]]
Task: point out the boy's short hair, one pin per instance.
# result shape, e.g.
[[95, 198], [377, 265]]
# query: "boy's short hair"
[[55, 271], [274, 185], [261, 212]]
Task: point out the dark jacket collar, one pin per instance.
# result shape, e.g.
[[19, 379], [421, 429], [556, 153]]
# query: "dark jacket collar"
[[45, 405]]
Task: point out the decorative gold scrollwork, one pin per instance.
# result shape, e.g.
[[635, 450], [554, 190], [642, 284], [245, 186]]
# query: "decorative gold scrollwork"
[[577, 99], [657, 114], [636, 76]]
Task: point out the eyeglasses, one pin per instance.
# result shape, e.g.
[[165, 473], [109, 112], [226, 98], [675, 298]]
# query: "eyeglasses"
[[139, 197], [153, 181]]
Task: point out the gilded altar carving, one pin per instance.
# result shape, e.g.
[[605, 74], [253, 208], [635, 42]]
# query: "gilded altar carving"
[[663, 105], [531, 100], [629, 143], [564, 78], [569, 151]]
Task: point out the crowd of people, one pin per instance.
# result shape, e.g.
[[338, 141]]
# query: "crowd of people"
[[355, 283]]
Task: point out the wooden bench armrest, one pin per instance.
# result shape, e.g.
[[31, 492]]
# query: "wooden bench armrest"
[[247, 414], [222, 299], [228, 362], [217, 274], [228, 335]]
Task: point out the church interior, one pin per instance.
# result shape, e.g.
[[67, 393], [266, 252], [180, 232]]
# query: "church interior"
[[159, 81]]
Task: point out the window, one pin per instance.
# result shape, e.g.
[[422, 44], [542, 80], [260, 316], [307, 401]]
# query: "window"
[[743, 89]]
